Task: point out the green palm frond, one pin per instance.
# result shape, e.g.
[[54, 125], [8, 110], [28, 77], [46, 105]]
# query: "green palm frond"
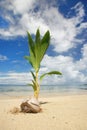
[[31, 44], [50, 73], [33, 75], [33, 85], [44, 44], [37, 39], [37, 49]]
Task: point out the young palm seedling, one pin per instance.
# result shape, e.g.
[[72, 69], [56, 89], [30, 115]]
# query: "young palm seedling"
[[37, 50]]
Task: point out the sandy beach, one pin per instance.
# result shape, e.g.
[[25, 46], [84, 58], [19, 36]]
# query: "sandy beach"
[[67, 112]]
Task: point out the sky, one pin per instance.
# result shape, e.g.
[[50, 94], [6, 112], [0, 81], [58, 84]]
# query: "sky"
[[67, 22]]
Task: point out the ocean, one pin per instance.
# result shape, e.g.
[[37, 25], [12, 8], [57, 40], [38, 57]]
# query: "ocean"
[[24, 90]]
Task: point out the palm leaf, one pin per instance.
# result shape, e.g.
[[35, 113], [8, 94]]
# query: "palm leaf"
[[31, 60], [30, 85], [44, 44], [37, 49], [32, 57], [37, 40], [50, 73], [33, 85], [30, 43], [33, 75], [41, 47]]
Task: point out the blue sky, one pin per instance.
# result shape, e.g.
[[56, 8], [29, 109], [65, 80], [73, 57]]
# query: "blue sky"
[[67, 22]]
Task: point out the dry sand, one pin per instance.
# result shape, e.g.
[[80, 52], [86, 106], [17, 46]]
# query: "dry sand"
[[59, 113]]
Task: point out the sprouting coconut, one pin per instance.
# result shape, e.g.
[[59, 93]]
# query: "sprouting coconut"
[[37, 50]]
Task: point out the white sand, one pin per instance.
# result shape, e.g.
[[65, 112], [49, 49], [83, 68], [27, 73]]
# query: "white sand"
[[59, 113]]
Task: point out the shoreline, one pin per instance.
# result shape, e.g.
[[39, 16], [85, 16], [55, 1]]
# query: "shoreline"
[[13, 95]]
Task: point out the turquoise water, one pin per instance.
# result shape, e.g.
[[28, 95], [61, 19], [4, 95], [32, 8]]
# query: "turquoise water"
[[21, 90]]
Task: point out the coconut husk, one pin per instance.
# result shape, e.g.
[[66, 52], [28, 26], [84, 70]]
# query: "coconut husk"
[[30, 106]]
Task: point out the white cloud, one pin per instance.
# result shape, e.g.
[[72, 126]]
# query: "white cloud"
[[79, 10], [73, 71], [82, 63], [64, 31], [23, 17], [3, 58], [84, 51], [15, 61], [15, 78], [70, 69], [21, 7]]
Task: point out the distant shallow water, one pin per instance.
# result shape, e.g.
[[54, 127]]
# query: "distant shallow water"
[[21, 90], [84, 88]]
